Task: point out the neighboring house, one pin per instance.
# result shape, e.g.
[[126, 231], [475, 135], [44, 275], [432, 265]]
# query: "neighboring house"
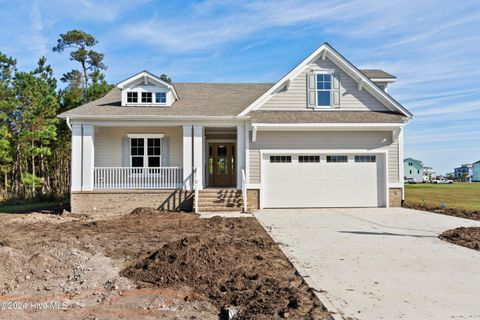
[[413, 169], [325, 135], [428, 174], [464, 172], [476, 171]]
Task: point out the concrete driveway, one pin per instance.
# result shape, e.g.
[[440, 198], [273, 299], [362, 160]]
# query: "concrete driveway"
[[381, 263]]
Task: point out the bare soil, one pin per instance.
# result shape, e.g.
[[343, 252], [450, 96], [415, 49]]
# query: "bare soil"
[[461, 213], [146, 265], [464, 236]]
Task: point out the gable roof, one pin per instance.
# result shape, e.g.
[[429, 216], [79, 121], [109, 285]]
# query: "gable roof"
[[322, 52], [377, 74], [195, 99], [147, 75], [413, 160]]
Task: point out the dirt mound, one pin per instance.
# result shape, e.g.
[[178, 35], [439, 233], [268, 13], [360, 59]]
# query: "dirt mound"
[[249, 273], [461, 213], [146, 211], [467, 237]]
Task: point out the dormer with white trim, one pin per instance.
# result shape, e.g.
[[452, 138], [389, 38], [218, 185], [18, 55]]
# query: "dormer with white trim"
[[147, 90]]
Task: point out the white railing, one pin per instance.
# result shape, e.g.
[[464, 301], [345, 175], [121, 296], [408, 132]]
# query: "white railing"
[[244, 191], [195, 188], [138, 178]]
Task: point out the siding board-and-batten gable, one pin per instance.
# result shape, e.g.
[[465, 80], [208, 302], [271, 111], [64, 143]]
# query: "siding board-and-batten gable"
[[295, 98]]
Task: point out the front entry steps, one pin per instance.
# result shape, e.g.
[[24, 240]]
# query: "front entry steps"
[[217, 200]]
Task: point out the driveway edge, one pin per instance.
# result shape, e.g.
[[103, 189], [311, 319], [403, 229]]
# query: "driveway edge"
[[321, 295]]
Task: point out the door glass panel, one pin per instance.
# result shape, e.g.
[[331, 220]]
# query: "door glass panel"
[[210, 160], [221, 159], [233, 158]]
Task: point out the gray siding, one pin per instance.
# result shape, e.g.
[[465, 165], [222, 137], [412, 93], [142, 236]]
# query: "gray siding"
[[109, 144], [323, 140], [350, 97]]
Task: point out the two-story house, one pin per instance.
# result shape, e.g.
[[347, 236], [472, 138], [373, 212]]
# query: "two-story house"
[[413, 169], [476, 171], [464, 172], [325, 135]]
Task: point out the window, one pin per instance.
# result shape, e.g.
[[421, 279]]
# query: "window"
[[410, 171], [137, 151], [132, 97], [365, 158], [324, 87], [145, 157], [337, 158], [418, 171], [146, 97], [308, 158], [410, 164], [274, 159], [160, 97]]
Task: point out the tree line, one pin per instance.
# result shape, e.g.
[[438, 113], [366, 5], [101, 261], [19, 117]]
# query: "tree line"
[[34, 143]]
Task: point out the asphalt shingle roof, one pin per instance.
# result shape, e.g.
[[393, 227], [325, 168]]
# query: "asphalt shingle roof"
[[377, 74], [312, 116], [202, 99]]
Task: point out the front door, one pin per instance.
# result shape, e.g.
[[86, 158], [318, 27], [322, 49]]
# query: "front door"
[[221, 164]]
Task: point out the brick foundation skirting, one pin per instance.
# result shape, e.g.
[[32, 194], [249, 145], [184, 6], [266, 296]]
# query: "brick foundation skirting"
[[395, 197], [253, 199], [124, 201]]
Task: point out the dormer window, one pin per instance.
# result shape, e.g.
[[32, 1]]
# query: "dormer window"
[[146, 97], [160, 97], [132, 97], [147, 90], [324, 89]]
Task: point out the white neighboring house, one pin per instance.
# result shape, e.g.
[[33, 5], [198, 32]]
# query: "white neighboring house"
[[325, 135], [428, 174]]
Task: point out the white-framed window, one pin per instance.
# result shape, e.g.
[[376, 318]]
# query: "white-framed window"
[[146, 97], [145, 152], [337, 158], [324, 89], [160, 97], [132, 97]]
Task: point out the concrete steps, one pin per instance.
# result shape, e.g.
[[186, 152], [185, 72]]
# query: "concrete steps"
[[217, 200]]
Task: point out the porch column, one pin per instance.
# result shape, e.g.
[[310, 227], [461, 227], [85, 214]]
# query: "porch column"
[[198, 154], [76, 165], [82, 157], [187, 158], [88, 157], [240, 154]]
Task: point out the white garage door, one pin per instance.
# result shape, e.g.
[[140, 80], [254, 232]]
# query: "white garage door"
[[323, 180]]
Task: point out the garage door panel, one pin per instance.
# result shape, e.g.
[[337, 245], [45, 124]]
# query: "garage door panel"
[[322, 184]]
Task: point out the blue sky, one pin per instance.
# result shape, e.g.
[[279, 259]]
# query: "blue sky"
[[433, 47]]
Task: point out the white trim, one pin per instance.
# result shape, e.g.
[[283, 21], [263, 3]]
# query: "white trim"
[[401, 166], [383, 79], [396, 185], [147, 135], [153, 117], [325, 47], [325, 127], [382, 151], [329, 72], [221, 140], [254, 185]]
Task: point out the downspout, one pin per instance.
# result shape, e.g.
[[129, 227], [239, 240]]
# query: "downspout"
[[68, 124]]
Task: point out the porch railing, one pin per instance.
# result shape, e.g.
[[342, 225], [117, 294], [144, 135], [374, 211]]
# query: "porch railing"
[[137, 178]]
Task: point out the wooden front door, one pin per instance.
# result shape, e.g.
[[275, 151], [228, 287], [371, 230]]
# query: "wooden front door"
[[221, 164]]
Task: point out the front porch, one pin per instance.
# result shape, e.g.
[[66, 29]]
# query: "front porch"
[[121, 160]]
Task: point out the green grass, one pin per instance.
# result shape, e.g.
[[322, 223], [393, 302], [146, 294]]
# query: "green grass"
[[455, 196], [27, 207]]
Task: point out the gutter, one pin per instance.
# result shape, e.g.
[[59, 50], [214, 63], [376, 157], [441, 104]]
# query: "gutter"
[[152, 117]]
